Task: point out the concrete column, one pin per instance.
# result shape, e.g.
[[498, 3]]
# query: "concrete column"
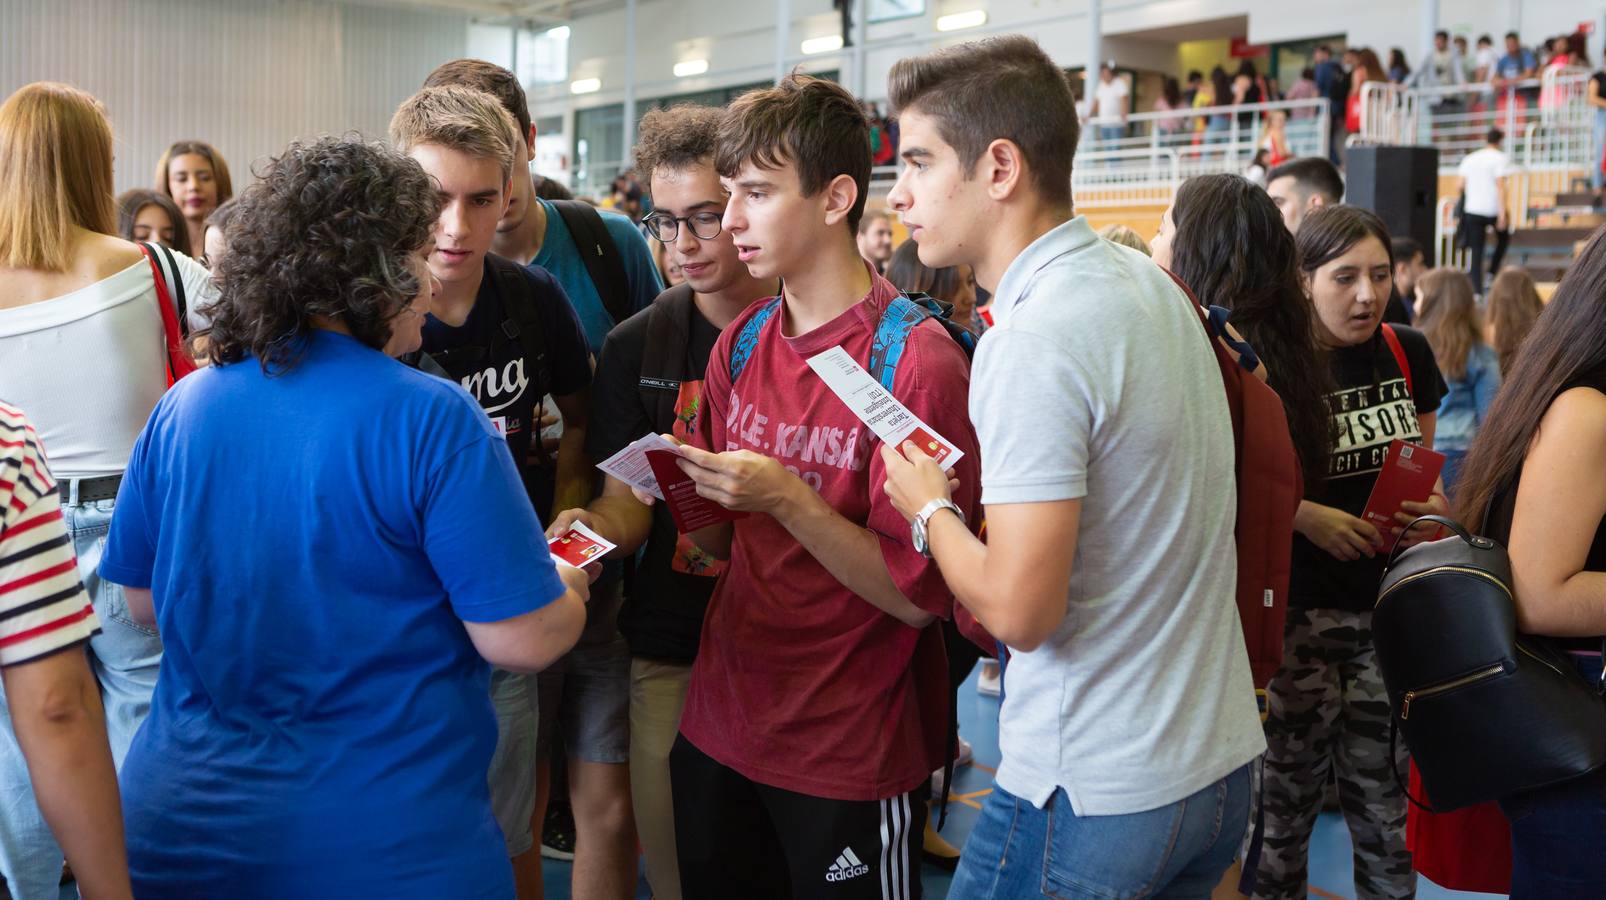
[[861, 10], [628, 151], [1095, 42], [1430, 24], [783, 37]]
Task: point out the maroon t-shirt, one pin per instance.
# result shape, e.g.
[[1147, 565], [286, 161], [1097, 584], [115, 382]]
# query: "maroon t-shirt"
[[800, 684]]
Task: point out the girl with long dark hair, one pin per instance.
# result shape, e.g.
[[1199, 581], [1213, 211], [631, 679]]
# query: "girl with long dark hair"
[[1226, 240], [1327, 708], [1533, 481]]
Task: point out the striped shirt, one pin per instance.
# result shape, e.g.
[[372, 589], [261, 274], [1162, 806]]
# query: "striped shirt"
[[43, 605]]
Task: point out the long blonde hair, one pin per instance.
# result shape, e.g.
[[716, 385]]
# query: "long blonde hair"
[[1514, 307], [55, 173], [1448, 316]]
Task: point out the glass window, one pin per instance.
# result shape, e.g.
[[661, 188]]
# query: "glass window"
[[887, 10]]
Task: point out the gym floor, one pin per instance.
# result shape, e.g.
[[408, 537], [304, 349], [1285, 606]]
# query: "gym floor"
[[1330, 870]]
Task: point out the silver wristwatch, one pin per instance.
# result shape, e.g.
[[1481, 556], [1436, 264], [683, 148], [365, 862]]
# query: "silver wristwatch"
[[917, 527]]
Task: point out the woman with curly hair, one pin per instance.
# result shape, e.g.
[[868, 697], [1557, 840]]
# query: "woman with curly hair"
[[333, 546]]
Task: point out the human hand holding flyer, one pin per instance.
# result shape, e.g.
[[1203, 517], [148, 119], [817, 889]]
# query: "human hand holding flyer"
[[631, 466], [691, 510], [1409, 473], [648, 465], [891, 421], [579, 546]]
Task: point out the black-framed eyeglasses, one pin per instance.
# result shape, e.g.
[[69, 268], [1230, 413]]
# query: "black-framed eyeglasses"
[[665, 228]]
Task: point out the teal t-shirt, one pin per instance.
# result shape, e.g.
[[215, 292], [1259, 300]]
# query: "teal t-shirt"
[[560, 256]]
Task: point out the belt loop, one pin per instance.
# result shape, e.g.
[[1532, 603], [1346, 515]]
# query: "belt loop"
[[72, 490]]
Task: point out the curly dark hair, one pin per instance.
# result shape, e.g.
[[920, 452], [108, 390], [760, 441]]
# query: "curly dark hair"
[[1232, 248], [676, 138], [328, 230]]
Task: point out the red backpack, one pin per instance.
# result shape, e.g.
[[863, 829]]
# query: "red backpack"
[[1270, 488]]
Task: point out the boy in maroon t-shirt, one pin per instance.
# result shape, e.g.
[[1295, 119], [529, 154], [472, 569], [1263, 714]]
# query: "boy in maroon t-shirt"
[[819, 702]]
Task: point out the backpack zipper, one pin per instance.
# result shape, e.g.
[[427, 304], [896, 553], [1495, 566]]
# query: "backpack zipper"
[[1464, 570], [1452, 684]]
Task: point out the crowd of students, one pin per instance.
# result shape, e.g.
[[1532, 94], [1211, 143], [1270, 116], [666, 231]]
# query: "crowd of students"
[[314, 643]]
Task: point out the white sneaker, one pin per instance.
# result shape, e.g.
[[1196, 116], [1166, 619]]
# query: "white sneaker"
[[990, 682], [966, 754]]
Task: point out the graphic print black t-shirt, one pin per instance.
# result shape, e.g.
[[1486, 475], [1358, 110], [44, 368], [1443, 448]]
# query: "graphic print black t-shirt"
[[1371, 408], [495, 368], [662, 618]]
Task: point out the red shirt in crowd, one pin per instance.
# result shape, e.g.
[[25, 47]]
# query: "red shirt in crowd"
[[799, 683]]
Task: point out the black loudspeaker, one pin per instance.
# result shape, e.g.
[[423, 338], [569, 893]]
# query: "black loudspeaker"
[[1401, 185]]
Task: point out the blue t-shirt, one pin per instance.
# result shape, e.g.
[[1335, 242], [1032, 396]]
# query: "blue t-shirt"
[[561, 257], [1513, 65], [313, 541]]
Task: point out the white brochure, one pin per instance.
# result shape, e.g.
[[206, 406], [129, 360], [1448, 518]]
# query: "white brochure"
[[630, 465], [875, 407]]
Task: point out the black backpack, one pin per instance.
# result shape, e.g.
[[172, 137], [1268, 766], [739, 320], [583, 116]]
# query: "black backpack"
[[1486, 712], [600, 254], [665, 359]]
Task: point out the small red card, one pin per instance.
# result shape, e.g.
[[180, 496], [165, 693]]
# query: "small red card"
[[690, 509], [1409, 473], [579, 546], [934, 447]]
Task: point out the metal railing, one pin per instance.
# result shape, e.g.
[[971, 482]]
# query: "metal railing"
[[1456, 118], [1210, 139], [1137, 176], [1444, 229]]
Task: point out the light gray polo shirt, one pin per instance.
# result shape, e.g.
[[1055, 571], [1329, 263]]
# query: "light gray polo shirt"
[[1098, 384]]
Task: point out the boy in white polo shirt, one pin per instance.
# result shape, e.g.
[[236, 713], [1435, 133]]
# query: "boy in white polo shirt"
[[1107, 475]]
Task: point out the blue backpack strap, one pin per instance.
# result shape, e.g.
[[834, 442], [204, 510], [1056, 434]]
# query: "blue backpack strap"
[[1247, 357], [747, 339], [892, 335]]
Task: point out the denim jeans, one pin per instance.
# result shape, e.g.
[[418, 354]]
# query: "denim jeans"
[[1557, 833], [1176, 851], [124, 658]]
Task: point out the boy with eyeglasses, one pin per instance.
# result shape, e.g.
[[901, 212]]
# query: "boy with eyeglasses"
[[649, 380]]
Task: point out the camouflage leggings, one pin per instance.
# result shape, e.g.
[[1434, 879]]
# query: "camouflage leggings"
[[1328, 711]]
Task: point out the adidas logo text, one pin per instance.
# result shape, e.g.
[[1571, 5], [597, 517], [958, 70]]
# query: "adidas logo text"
[[847, 866]]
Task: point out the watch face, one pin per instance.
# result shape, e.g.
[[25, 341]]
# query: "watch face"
[[917, 530]]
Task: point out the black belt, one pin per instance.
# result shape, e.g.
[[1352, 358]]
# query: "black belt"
[[89, 490]]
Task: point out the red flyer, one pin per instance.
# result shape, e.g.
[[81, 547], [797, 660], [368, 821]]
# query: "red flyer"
[[1409, 473], [579, 546], [690, 509]]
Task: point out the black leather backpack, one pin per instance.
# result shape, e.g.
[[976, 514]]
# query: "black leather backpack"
[[1486, 712]]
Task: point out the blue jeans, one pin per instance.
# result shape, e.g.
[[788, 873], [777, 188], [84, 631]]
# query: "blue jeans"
[[1111, 132], [124, 657], [1557, 833], [1176, 851]]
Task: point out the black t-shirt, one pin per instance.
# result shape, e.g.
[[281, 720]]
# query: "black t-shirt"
[[662, 616], [1371, 408], [1503, 506], [1600, 88], [482, 357]]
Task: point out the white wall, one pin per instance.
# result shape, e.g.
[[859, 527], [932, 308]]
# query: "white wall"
[[246, 75]]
